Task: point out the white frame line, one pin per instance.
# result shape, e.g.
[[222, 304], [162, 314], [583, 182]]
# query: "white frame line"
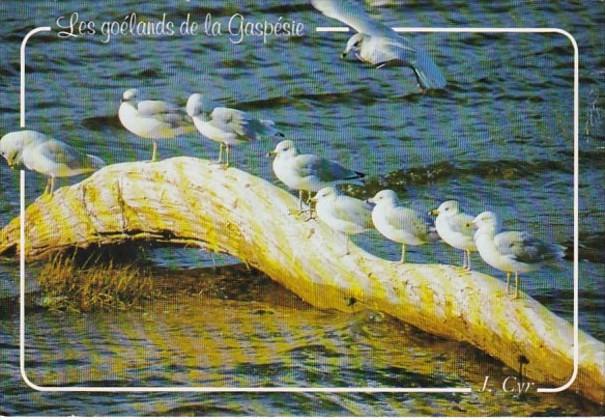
[[316, 389]]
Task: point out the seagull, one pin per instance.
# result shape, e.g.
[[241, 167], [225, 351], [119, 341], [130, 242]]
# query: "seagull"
[[227, 126], [307, 172], [512, 251], [379, 45], [456, 229], [342, 213], [400, 224], [47, 156], [153, 119]]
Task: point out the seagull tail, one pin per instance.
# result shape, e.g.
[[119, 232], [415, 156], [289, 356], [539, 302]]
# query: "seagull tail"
[[556, 253], [433, 236], [356, 178], [271, 130], [428, 74], [95, 162]]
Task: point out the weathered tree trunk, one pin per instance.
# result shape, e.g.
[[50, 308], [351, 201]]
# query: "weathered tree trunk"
[[187, 201]]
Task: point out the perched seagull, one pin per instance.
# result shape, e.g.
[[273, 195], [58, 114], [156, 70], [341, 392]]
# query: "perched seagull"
[[512, 251], [379, 45], [308, 173], [47, 156], [153, 119], [400, 224], [12, 145], [456, 229], [227, 126], [343, 213]]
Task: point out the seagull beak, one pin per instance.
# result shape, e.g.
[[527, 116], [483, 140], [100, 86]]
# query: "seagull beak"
[[434, 212], [344, 54], [370, 201], [271, 154], [313, 199]]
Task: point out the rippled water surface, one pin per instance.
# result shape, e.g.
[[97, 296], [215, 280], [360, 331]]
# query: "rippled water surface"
[[499, 138]]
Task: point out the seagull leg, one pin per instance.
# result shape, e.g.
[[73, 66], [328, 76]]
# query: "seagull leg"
[[402, 260], [468, 259], [507, 283], [310, 206], [220, 156], [464, 260], [300, 201], [516, 285], [154, 151], [347, 244], [47, 188], [300, 210], [227, 155], [52, 185]]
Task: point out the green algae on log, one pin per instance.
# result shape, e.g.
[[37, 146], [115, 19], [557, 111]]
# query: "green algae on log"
[[190, 202]]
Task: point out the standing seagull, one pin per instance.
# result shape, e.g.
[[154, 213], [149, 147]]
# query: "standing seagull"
[[227, 126], [308, 173], [47, 156], [153, 120], [379, 45], [512, 252], [343, 213], [456, 229], [400, 224]]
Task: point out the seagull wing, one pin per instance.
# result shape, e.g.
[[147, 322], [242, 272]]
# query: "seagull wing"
[[164, 112], [352, 14], [525, 248], [238, 122], [326, 170], [407, 219], [461, 223], [64, 154], [353, 210], [150, 108], [400, 50]]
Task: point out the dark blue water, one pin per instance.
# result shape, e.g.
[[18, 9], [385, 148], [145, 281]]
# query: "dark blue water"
[[499, 138]]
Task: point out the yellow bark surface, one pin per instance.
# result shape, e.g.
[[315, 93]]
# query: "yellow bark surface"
[[189, 202]]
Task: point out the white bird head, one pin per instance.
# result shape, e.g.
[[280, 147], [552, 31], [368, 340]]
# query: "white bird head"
[[197, 104], [486, 221], [447, 208], [12, 144], [353, 44], [327, 193], [284, 148], [384, 197], [129, 95]]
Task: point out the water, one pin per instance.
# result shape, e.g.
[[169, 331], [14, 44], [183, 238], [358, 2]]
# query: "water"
[[500, 138]]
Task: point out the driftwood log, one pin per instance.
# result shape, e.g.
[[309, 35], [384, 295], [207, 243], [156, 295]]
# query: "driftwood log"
[[188, 202]]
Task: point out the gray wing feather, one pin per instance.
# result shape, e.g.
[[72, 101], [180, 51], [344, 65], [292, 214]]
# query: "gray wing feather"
[[462, 223], [238, 122], [150, 108], [525, 248], [407, 219], [353, 210], [326, 170], [352, 14], [63, 153], [428, 74], [164, 112]]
